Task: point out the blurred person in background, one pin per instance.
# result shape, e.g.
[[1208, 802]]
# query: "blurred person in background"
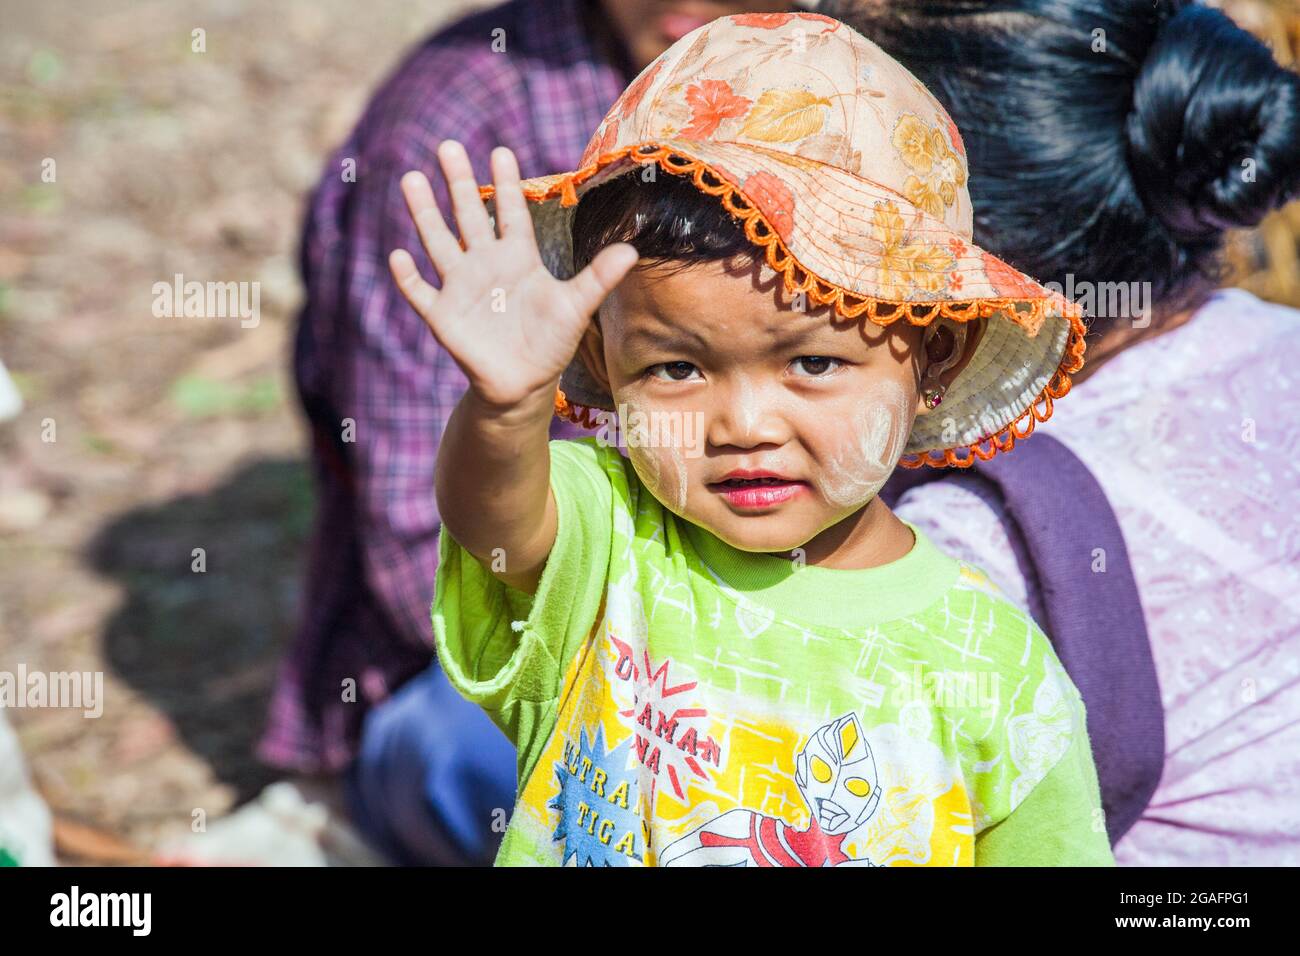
[[1117, 141], [428, 774]]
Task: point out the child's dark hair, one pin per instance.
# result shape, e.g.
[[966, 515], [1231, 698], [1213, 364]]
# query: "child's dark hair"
[[1110, 139], [667, 217]]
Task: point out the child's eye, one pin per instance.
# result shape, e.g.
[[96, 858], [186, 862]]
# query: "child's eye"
[[672, 371], [815, 365]]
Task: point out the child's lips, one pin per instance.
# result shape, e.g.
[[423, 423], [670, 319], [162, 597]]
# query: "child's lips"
[[757, 494]]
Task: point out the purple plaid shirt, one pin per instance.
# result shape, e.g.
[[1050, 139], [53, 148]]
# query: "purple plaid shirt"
[[374, 383]]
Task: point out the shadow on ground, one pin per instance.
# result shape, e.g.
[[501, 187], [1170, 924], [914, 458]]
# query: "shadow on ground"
[[203, 646]]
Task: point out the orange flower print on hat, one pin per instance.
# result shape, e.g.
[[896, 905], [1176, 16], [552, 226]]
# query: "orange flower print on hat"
[[627, 104], [774, 200], [1007, 281], [1012, 284], [711, 102], [728, 175], [774, 21], [954, 134], [607, 140]]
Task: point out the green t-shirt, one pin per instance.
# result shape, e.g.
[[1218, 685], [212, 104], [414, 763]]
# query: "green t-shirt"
[[676, 701]]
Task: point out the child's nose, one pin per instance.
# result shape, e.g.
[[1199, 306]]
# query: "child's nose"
[[745, 414]]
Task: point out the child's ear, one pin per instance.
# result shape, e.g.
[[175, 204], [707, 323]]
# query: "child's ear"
[[591, 351], [974, 333], [946, 349]]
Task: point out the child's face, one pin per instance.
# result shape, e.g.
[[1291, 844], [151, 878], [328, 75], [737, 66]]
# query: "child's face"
[[717, 373]]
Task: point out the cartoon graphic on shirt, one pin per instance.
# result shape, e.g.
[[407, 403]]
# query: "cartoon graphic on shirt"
[[837, 778], [670, 729], [597, 802]]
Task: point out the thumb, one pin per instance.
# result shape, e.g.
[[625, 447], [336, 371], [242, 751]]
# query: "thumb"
[[588, 289]]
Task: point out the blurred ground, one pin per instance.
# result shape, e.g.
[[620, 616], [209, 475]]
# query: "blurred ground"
[[171, 433]]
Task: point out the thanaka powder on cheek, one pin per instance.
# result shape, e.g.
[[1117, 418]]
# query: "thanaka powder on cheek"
[[864, 457], [662, 469]]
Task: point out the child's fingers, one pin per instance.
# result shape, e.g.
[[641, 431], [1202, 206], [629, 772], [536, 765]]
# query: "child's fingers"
[[513, 218], [439, 243], [471, 215], [422, 296], [590, 286]]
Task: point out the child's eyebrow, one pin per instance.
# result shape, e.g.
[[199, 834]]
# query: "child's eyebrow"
[[671, 339], [800, 334]]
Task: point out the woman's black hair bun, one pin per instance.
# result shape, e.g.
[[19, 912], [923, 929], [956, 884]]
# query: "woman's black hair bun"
[[1214, 132]]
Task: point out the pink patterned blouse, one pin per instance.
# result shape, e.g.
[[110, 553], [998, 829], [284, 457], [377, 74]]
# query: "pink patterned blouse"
[[1195, 438]]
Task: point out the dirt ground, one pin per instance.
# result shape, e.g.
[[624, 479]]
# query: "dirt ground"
[[170, 434]]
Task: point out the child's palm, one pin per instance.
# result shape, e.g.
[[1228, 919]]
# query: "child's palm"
[[506, 319], [510, 325]]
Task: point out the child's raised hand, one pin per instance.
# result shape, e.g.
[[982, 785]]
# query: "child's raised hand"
[[511, 326]]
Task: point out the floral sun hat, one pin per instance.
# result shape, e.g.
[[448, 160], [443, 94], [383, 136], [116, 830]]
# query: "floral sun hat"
[[852, 178]]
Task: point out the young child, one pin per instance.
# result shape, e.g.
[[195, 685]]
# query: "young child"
[[724, 649]]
